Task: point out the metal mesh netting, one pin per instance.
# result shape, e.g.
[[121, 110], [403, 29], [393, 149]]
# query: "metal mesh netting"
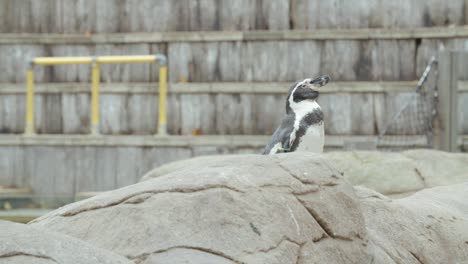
[[411, 124]]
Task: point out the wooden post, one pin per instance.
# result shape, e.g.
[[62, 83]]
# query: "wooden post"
[[449, 70]]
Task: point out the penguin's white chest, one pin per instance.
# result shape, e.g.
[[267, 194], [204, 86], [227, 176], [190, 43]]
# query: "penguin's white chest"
[[313, 140]]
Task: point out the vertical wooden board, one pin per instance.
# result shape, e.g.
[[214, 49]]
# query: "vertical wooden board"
[[463, 113], [444, 13], [14, 61], [7, 175], [337, 113], [77, 16], [362, 114], [340, 67], [180, 61], [229, 64], [150, 16], [328, 15], [71, 72], [406, 50], [17, 15], [353, 14], [76, 113], [43, 19], [19, 166], [269, 111], [114, 114], [303, 60], [51, 114], [205, 62], [264, 61], [272, 15], [65, 175], [399, 13], [199, 15], [229, 113], [129, 159], [302, 14], [136, 72], [190, 113], [248, 114], [49, 175], [174, 119], [108, 16], [236, 15], [12, 113], [142, 113], [156, 156], [105, 169], [207, 109], [85, 169]]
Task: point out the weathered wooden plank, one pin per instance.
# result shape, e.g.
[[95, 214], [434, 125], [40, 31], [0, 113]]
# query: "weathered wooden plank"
[[127, 167], [12, 114], [114, 115], [75, 113], [185, 15], [463, 113], [105, 175], [362, 114], [337, 114], [268, 111], [229, 113], [85, 168], [14, 60], [142, 114], [197, 113]]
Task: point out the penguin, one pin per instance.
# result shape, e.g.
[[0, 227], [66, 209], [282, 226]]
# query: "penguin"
[[302, 127]]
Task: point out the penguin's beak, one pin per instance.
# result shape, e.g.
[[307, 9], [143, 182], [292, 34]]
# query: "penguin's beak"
[[320, 81]]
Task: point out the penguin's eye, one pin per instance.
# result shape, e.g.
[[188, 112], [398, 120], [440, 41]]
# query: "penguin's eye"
[[302, 86]]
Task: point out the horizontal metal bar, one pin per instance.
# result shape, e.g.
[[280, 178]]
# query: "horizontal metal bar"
[[253, 141], [214, 87], [62, 60], [126, 59], [98, 59], [258, 35]]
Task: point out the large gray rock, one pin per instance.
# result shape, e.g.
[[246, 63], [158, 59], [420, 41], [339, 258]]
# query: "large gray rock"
[[427, 227], [287, 208], [24, 244], [247, 209], [401, 173], [390, 173]]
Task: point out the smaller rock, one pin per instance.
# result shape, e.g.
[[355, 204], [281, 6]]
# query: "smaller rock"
[[24, 244]]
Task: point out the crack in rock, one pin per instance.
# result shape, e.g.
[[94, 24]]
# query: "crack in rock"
[[131, 198], [286, 169], [282, 240], [416, 257], [16, 254], [322, 223], [418, 172], [142, 257]]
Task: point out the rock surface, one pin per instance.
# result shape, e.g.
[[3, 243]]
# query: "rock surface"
[[389, 173], [287, 208], [247, 209], [25, 244]]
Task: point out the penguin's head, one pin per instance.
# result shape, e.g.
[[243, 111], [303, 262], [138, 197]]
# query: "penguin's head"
[[305, 91]]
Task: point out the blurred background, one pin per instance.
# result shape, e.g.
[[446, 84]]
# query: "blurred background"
[[230, 65]]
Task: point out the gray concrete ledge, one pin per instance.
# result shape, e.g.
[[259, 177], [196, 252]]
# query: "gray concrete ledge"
[[252, 141], [213, 36], [214, 87]]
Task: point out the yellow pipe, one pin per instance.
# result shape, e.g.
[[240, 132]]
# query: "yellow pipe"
[[62, 60], [29, 129], [162, 127], [95, 76], [126, 59]]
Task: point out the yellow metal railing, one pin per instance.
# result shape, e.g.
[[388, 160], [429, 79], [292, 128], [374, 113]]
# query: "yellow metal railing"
[[95, 76]]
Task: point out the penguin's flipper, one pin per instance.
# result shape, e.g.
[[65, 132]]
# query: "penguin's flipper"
[[279, 141]]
